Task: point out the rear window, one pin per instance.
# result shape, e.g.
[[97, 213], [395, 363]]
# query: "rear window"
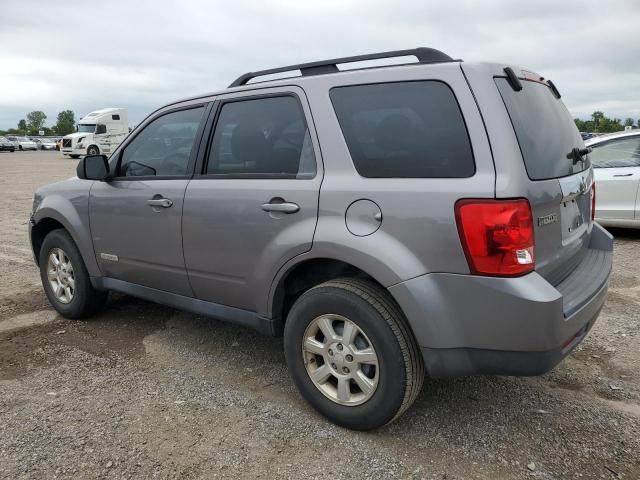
[[545, 130], [404, 130]]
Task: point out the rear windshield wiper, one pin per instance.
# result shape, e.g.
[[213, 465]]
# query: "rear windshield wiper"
[[576, 154]]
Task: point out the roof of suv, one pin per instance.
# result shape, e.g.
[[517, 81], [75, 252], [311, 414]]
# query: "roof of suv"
[[424, 55]]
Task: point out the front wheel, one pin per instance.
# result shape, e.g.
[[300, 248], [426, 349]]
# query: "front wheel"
[[74, 156], [65, 278], [93, 150], [351, 353]]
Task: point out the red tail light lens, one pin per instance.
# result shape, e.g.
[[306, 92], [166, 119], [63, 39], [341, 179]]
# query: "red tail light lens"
[[593, 201], [497, 236]]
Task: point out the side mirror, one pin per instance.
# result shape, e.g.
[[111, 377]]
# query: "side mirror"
[[93, 167]]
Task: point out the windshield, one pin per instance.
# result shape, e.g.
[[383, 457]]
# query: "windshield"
[[546, 132], [86, 127], [23, 139]]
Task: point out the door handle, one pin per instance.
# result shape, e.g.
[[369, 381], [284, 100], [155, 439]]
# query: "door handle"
[[623, 174], [160, 202], [285, 207]]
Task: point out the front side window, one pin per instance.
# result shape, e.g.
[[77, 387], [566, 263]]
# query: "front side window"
[[262, 137], [163, 148], [623, 152], [404, 130]]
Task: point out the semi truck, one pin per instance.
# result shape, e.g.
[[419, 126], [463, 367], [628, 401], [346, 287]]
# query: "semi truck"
[[98, 132]]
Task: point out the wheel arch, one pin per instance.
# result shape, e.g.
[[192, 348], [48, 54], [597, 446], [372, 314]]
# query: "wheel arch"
[[306, 273]]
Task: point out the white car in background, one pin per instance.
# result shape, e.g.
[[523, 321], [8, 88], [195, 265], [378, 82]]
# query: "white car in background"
[[616, 162], [23, 143]]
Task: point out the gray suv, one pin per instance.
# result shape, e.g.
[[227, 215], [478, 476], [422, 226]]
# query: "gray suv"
[[434, 217]]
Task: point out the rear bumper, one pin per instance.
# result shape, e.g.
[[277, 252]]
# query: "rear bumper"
[[512, 326]]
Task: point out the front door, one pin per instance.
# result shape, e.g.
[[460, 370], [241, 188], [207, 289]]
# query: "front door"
[[136, 218], [254, 204], [617, 173]]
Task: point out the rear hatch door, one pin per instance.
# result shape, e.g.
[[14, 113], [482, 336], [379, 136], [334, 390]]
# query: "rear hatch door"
[[559, 174]]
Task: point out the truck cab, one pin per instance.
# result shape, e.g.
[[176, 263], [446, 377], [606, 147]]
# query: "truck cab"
[[99, 132]]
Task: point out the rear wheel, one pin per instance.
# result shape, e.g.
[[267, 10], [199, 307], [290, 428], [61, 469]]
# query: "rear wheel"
[[74, 156], [351, 353], [65, 278]]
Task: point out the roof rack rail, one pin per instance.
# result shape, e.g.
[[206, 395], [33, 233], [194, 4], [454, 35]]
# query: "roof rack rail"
[[423, 54]]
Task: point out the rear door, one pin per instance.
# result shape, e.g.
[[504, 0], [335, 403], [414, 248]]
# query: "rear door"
[[254, 203], [617, 172], [558, 182]]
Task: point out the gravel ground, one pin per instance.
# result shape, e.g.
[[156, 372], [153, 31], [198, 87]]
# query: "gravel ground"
[[147, 391]]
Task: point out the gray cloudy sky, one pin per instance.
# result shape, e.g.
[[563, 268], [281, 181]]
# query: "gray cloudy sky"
[[85, 55]]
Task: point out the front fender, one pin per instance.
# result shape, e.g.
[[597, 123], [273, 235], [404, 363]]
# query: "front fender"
[[73, 214]]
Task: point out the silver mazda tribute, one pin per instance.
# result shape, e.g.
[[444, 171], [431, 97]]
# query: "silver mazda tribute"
[[435, 215]]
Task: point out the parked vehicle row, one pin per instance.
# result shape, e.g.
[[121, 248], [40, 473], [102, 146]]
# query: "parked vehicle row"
[[12, 143], [348, 211], [22, 143]]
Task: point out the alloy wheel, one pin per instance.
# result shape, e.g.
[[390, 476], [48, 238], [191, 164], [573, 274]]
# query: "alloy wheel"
[[60, 275], [340, 359]]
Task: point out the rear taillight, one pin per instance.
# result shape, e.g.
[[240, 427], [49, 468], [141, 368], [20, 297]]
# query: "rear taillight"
[[593, 201], [497, 236]]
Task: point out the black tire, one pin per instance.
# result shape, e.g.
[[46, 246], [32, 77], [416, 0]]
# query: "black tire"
[[74, 156], [20, 147], [401, 368], [86, 300], [93, 150]]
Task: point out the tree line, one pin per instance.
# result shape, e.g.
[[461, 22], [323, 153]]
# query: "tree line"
[[34, 122], [599, 123]]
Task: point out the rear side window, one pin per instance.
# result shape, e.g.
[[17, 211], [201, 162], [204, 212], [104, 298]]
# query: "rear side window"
[[404, 130], [262, 138], [545, 130]]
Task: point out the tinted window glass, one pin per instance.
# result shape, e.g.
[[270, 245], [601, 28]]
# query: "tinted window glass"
[[164, 146], [624, 152], [404, 129], [265, 136], [115, 117], [545, 130]]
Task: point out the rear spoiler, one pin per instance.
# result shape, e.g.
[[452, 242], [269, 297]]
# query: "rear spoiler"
[[516, 84]]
